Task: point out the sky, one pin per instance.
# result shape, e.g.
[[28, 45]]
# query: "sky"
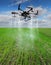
[[43, 6], [5, 3]]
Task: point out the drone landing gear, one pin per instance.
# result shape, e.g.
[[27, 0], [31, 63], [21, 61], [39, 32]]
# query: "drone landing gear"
[[27, 19]]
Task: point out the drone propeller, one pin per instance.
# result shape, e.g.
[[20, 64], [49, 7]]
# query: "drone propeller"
[[14, 13], [31, 9], [36, 13]]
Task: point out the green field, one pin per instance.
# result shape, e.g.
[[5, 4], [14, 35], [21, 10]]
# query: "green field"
[[25, 46]]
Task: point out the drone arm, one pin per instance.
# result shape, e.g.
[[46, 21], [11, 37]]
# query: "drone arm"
[[31, 9], [36, 13], [19, 7]]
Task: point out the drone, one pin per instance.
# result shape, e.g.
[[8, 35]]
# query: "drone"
[[25, 14]]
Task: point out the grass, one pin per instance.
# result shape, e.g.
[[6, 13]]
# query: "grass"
[[24, 46]]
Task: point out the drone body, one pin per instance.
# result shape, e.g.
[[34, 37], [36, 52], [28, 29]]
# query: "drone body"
[[25, 14]]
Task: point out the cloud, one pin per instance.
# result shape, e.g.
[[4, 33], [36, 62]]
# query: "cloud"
[[7, 15], [41, 10], [49, 16], [18, 2], [4, 18], [21, 1], [43, 17]]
